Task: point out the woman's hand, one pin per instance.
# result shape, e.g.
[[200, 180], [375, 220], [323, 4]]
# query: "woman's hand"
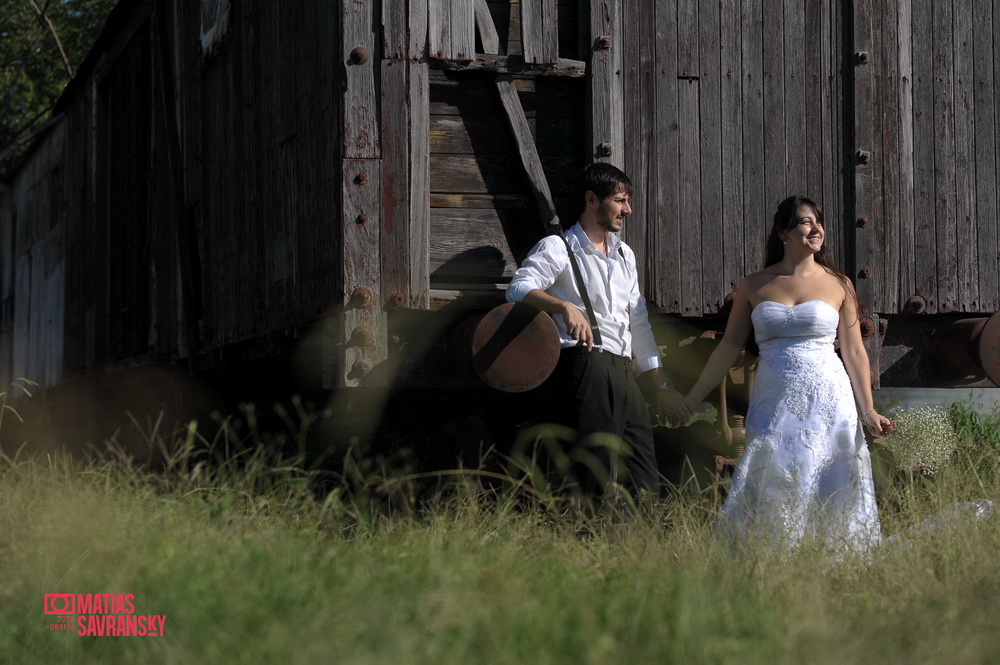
[[877, 423]]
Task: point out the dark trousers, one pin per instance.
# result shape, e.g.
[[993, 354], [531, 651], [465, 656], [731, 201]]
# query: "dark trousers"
[[602, 402]]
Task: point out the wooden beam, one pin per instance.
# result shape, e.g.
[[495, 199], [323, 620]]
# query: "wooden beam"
[[514, 64], [606, 90]]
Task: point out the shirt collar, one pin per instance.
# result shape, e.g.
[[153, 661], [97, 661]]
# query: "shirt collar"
[[614, 242]]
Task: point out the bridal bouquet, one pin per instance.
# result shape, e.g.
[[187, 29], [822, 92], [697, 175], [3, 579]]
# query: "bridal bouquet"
[[922, 440]]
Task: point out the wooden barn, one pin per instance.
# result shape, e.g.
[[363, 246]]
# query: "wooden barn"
[[248, 183]]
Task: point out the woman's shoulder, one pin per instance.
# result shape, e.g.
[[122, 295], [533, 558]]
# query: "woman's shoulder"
[[757, 280]]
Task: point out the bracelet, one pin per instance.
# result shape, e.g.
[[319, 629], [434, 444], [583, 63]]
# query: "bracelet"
[[865, 414]]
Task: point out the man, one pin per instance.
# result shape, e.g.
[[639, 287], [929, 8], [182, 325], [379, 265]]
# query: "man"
[[595, 373]]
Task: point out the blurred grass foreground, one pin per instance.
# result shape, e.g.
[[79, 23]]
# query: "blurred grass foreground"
[[253, 559]]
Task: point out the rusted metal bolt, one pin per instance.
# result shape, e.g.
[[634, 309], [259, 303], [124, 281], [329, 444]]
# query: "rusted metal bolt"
[[916, 304], [359, 55], [865, 272], [363, 335], [864, 156], [862, 57], [361, 179], [362, 298], [362, 218], [394, 339], [867, 328], [883, 326], [604, 43], [397, 299], [361, 369], [863, 222], [605, 149]]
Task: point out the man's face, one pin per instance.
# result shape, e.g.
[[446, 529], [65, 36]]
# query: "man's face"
[[611, 211]]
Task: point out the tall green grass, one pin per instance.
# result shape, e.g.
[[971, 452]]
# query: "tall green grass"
[[256, 560]]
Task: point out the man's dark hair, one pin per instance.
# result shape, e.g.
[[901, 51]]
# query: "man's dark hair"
[[603, 180]]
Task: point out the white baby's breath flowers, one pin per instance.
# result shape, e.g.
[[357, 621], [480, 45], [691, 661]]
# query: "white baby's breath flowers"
[[923, 439]]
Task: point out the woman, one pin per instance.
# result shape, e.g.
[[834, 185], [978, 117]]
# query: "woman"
[[806, 470]]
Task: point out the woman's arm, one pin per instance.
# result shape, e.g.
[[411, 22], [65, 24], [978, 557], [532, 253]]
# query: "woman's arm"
[[738, 329], [852, 351]]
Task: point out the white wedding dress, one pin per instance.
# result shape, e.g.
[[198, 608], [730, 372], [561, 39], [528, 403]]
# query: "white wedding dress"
[[806, 472]]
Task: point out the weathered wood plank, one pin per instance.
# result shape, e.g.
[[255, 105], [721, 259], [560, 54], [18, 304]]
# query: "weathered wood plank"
[[478, 135], [987, 48], [395, 27], [889, 230], [451, 29], [362, 187], [867, 261], [521, 133], [831, 132], [944, 157], [814, 102], [907, 283], [639, 87], [664, 293], [713, 282], [360, 57], [417, 37], [529, 154], [469, 174], [924, 240], [605, 94], [965, 219], [688, 52], [475, 96], [420, 184], [731, 133], [794, 77], [394, 217], [689, 196], [774, 154], [757, 208], [515, 64], [488, 34], [539, 31], [471, 244]]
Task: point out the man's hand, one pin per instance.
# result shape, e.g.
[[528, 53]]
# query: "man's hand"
[[578, 326], [670, 404]]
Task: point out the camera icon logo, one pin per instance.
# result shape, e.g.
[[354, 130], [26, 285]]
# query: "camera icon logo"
[[60, 603]]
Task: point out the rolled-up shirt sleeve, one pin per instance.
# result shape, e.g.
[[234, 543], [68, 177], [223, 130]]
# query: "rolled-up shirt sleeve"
[[540, 270], [644, 350]]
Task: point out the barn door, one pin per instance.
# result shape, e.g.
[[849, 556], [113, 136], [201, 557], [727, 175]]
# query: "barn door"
[[925, 155]]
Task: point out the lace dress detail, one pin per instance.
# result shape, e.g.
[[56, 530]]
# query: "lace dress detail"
[[806, 470]]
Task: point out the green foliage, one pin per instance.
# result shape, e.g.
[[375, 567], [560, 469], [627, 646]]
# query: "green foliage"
[[254, 559], [33, 71]]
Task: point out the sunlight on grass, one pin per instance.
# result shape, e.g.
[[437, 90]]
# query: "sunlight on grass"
[[255, 559]]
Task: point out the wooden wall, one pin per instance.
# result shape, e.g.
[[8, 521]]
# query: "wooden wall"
[[729, 107], [270, 139], [927, 99], [198, 194], [37, 249], [483, 218]]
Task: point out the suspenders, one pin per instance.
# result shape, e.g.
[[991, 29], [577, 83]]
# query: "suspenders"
[[583, 292]]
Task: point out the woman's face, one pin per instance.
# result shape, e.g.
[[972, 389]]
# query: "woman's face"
[[808, 232]]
